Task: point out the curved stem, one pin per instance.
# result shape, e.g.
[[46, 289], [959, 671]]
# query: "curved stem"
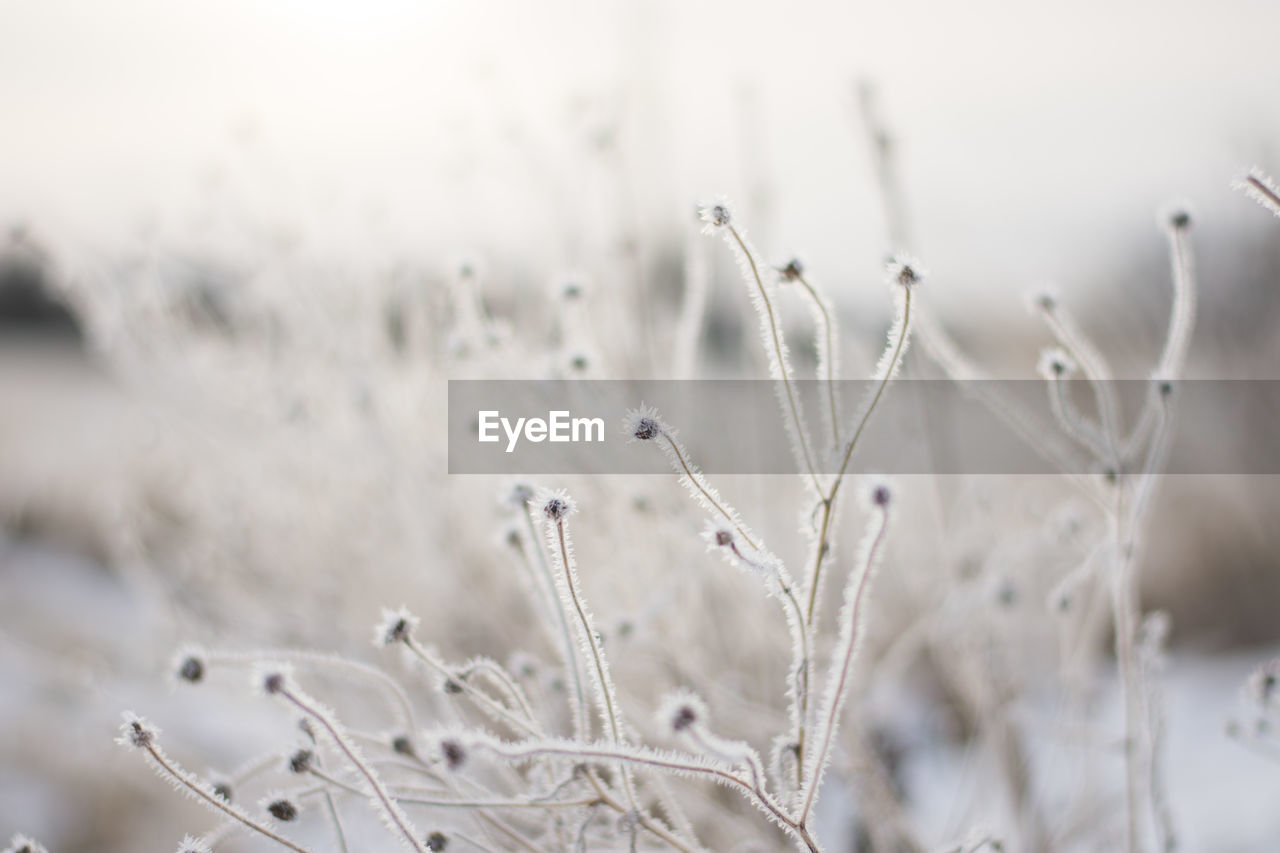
[[776, 337], [501, 677], [474, 693], [829, 500], [319, 659], [578, 710], [831, 357], [835, 698], [181, 779], [697, 483], [388, 807], [597, 657], [657, 761]]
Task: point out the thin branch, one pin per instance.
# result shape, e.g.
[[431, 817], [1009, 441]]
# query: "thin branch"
[[852, 628], [387, 805], [184, 780]]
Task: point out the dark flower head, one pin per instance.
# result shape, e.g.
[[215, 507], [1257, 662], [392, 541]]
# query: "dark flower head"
[[454, 753], [792, 271], [282, 809], [555, 505]]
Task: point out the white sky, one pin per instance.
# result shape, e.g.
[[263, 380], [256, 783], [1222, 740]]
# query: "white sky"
[[1033, 134]]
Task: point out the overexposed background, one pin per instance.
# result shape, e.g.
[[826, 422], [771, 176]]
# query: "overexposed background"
[[1036, 138]]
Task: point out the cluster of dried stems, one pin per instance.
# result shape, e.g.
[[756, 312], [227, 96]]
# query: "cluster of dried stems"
[[568, 770]]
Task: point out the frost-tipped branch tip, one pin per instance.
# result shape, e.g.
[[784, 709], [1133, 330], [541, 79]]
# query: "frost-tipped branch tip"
[[1055, 364], [25, 844], [791, 271], [680, 711], [300, 761], [904, 270], [554, 505], [271, 679], [280, 807], [190, 665], [136, 731], [453, 752], [715, 216], [643, 424], [395, 626]]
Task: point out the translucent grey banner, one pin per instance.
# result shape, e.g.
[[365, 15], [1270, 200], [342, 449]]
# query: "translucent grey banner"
[[918, 426]]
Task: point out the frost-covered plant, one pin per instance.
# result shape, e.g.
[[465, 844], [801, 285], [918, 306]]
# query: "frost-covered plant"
[[523, 755], [550, 741], [541, 775]]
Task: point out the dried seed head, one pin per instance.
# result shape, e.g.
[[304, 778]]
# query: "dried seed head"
[[684, 717], [715, 216], [271, 678], [395, 626], [192, 670], [280, 807], [556, 505], [1178, 217], [645, 429], [1054, 364], [792, 271], [24, 844], [904, 270], [681, 711], [222, 788], [453, 752], [189, 665], [642, 424], [136, 731], [718, 534], [402, 745], [878, 494], [450, 686], [437, 841], [301, 761]]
